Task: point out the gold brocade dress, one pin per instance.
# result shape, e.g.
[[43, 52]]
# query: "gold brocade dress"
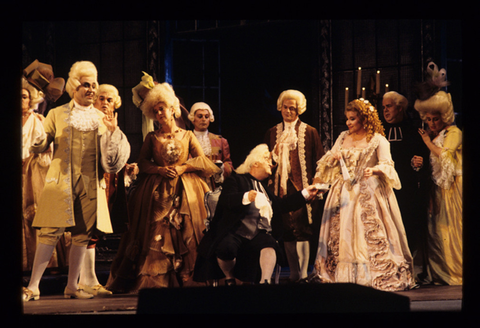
[[167, 217], [444, 247], [362, 238]]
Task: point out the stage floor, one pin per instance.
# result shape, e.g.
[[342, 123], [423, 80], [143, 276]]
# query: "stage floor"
[[426, 298]]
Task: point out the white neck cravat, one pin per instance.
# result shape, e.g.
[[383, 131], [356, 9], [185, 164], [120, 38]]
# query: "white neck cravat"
[[202, 137]]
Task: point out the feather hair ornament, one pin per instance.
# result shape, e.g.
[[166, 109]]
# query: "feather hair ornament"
[[434, 81]]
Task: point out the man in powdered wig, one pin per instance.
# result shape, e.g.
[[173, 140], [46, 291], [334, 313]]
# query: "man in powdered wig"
[[247, 223], [87, 143], [214, 146], [296, 147]]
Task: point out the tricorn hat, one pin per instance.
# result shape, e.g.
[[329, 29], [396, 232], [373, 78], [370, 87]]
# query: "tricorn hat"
[[41, 76]]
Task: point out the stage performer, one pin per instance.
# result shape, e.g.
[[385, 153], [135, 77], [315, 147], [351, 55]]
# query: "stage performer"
[[247, 223], [444, 139], [86, 144], [35, 166], [107, 101], [362, 237], [408, 153], [166, 209], [296, 147], [214, 146]]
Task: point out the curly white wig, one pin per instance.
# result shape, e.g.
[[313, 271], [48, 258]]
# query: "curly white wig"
[[77, 71], [295, 95], [197, 106], [36, 96], [398, 99], [117, 100], [162, 92], [258, 154], [441, 103]]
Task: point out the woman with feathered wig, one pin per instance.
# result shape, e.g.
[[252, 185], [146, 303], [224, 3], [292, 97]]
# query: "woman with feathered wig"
[[444, 139], [362, 237], [166, 210]]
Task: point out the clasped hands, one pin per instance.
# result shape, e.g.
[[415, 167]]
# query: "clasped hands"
[[172, 171]]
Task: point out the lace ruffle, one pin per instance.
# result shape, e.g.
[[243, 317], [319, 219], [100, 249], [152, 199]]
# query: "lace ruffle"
[[84, 119], [443, 167]]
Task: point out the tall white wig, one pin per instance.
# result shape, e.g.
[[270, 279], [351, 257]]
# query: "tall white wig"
[[162, 92], [197, 106], [36, 96], [398, 99], [258, 154], [117, 100], [441, 103], [294, 95], [77, 71]]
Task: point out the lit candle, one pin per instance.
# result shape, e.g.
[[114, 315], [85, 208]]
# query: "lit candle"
[[359, 80], [386, 88], [378, 83], [346, 97], [363, 92]]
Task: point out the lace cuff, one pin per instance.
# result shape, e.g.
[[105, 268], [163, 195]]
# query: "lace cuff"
[[328, 170], [443, 169], [115, 150], [390, 175]]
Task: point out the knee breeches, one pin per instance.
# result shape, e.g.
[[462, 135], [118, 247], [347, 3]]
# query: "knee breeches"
[[85, 212]]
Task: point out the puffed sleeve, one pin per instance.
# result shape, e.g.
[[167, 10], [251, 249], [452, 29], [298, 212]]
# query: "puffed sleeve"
[[115, 150], [328, 168], [449, 163], [42, 143], [385, 163]]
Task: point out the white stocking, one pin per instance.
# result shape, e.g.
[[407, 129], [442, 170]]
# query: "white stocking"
[[292, 258], [268, 259], [77, 255], [303, 251], [87, 271], [43, 254]]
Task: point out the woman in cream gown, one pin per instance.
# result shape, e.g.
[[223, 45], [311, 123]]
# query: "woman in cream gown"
[[362, 238], [167, 211]]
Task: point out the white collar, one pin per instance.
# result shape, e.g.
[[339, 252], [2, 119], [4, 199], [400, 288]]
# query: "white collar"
[[201, 134], [78, 106], [290, 124]]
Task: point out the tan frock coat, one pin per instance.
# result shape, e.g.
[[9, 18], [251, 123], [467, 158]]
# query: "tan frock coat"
[[56, 204]]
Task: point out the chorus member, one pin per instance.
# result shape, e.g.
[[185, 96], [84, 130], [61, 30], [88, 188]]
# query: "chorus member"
[[214, 146], [410, 156], [444, 140], [34, 169], [166, 210], [107, 101], [242, 242], [362, 238], [296, 147], [86, 144]]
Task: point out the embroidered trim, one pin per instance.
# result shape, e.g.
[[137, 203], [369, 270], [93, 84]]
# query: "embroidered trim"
[[390, 276]]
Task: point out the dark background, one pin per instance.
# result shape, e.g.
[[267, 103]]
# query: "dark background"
[[240, 67]]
